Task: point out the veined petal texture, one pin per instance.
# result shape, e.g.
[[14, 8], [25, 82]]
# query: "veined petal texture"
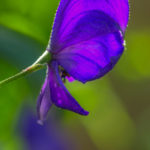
[[71, 12], [88, 36]]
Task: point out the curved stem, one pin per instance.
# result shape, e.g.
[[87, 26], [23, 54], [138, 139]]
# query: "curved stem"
[[39, 64]]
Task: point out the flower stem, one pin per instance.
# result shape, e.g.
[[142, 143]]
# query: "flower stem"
[[39, 64]]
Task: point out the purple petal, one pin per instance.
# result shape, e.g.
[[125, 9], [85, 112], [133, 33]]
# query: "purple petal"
[[59, 94], [44, 101], [92, 59], [87, 38], [71, 13]]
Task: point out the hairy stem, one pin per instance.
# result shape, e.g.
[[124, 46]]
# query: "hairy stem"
[[39, 64]]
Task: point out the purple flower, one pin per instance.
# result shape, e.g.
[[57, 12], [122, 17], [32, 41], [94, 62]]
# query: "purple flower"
[[87, 41]]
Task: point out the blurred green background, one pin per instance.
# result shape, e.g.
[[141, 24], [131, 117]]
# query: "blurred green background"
[[119, 103]]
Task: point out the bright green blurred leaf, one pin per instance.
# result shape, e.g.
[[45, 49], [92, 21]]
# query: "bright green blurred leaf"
[[139, 49], [135, 62], [31, 18], [23, 25]]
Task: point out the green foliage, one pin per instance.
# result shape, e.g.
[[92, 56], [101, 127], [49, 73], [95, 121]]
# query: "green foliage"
[[31, 18], [135, 62]]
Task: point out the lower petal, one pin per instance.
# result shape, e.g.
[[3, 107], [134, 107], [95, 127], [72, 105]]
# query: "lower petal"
[[59, 94]]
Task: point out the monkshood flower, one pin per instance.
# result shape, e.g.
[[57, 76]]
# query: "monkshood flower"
[[86, 42]]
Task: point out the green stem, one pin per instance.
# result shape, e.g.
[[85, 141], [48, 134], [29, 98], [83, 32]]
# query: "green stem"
[[39, 64]]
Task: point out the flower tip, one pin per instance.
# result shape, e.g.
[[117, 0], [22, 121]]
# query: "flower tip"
[[40, 122], [86, 113]]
